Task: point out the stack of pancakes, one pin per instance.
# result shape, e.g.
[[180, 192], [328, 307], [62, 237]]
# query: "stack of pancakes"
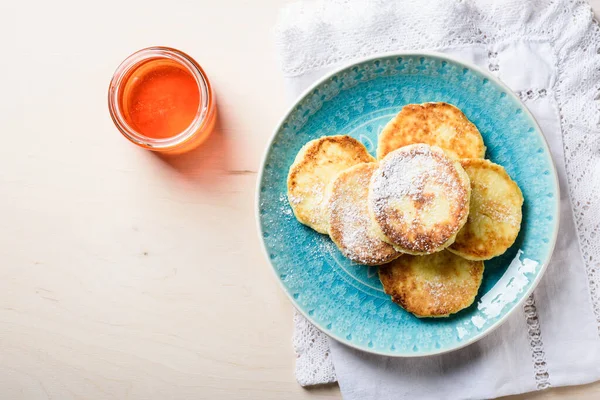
[[430, 209]]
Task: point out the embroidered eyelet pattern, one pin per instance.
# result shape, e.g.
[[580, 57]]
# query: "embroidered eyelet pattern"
[[542, 378]]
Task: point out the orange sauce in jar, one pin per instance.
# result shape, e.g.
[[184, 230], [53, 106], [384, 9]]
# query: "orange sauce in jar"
[[161, 100]]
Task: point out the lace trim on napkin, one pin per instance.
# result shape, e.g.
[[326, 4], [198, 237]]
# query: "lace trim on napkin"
[[313, 359], [584, 181], [328, 36]]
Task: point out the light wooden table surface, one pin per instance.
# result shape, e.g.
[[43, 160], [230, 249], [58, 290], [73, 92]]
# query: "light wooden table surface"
[[124, 275]]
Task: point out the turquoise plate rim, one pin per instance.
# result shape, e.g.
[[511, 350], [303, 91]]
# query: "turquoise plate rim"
[[443, 57]]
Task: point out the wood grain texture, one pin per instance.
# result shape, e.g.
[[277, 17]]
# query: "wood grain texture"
[[125, 275]]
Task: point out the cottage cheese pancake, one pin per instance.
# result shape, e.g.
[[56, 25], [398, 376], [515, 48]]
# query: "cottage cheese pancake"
[[436, 124], [436, 285], [495, 217], [419, 199]]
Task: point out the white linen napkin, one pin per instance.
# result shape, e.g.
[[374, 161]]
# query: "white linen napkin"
[[547, 51]]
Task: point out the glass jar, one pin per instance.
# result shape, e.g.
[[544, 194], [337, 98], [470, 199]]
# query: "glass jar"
[[150, 65]]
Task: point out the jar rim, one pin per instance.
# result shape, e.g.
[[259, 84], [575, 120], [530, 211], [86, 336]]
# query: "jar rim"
[[135, 60]]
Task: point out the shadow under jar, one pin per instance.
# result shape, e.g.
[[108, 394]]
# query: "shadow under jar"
[[161, 100]]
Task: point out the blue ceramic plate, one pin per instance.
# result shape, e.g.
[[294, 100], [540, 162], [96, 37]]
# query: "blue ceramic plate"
[[345, 300]]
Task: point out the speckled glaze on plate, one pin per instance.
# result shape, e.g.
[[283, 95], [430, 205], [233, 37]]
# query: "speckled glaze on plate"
[[345, 300]]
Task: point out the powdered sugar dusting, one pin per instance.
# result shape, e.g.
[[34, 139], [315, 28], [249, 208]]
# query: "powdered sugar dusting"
[[284, 208], [438, 294], [494, 209], [295, 199], [399, 176], [312, 197]]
